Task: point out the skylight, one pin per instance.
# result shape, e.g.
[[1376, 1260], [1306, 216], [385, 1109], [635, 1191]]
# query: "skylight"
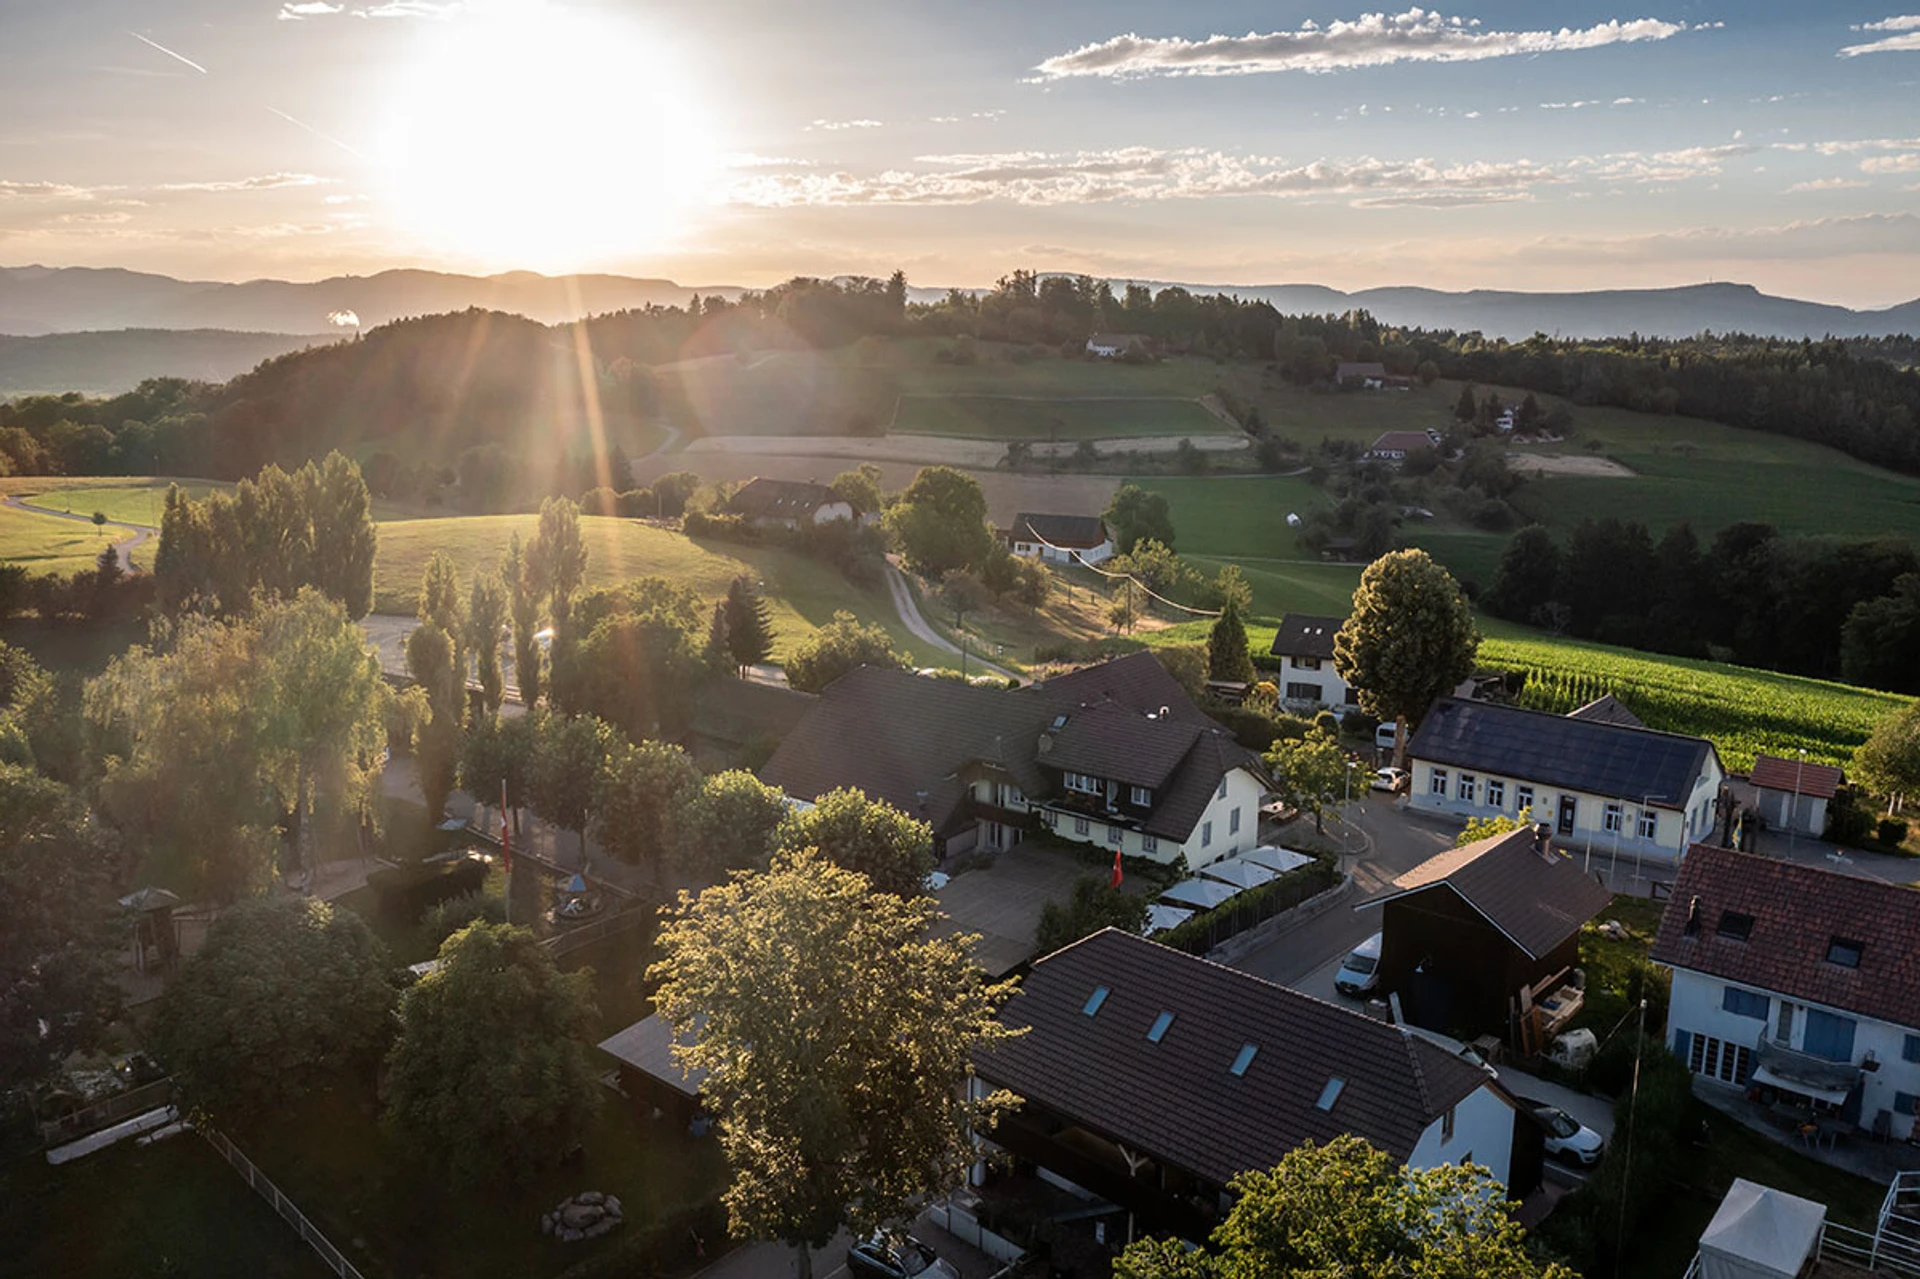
[[1245, 1059], [1736, 925], [1159, 1030], [1330, 1094], [1845, 953], [1097, 998]]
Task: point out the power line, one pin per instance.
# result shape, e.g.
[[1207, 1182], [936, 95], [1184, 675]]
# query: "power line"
[[1084, 562]]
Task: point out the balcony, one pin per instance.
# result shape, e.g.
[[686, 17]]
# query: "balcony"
[[1777, 1066]]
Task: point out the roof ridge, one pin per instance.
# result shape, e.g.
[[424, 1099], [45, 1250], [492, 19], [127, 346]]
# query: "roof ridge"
[[1568, 719]]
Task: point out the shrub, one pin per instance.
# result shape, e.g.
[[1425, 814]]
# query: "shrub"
[[721, 528], [407, 891], [1891, 831], [635, 503], [443, 919]]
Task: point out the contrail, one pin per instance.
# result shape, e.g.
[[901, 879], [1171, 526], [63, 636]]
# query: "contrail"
[[324, 137], [169, 52]]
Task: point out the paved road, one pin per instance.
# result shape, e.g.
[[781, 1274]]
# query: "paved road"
[[921, 630], [142, 533], [776, 1261]]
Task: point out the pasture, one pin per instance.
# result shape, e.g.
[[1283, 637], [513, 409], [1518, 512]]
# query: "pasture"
[[49, 544], [136, 502], [1046, 419], [1236, 516], [802, 593]]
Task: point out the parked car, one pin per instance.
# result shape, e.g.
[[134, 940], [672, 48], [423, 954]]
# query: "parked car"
[[897, 1257], [1360, 973], [1391, 780], [1383, 735], [1567, 1137]]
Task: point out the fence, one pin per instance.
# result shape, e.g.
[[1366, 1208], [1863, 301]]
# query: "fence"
[[625, 917], [105, 1114], [291, 1214]]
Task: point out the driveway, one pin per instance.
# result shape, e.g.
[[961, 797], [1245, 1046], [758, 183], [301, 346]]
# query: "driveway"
[[921, 630]]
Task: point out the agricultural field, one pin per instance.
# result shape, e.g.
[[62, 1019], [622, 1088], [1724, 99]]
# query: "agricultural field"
[[49, 544], [802, 593], [1742, 711], [1236, 516], [1000, 417]]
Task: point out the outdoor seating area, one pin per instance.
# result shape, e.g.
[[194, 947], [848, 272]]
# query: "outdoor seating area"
[[1815, 1130]]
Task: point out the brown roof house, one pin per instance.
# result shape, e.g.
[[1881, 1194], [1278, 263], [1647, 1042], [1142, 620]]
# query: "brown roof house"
[[1482, 939], [1792, 794], [1061, 539], [1149, 1078], [1111, 346], [1304, 645], [1115, 755], [789, 503], [1799, 980], [1397, 446]]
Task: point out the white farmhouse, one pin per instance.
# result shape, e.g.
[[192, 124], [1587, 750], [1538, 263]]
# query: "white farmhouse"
[[1304, 645], [1061, 539], [789, 503]]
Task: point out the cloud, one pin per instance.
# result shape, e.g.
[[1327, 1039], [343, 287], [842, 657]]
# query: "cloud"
[[748, 160], [1867, 234], [1826, 184], [1660, 166], [308, 9], [1906, 37], [1857, 144], [835, 126], [48, 191], [1372, 40], [1626, 102], [343, 319], [1908, 163], [1040, 178], [265, 182]]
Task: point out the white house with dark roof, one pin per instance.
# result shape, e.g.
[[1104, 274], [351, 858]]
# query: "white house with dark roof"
[[1149, 1078], [1111, 346], [1061, 539], [789, 503], [1115, 755], [1605, 787], [1304, 645], [1797, 979]]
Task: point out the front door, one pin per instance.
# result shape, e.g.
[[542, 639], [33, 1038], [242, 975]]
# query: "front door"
[[1567, 806]]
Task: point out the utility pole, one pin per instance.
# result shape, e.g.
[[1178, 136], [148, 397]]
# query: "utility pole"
[[1793, 804]]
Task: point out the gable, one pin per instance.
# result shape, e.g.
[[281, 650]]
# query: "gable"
[[1593, 756]]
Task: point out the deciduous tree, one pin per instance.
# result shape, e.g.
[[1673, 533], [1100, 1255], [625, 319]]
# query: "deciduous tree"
[[731, 821], [1409, 639], [558, 558], [1311, 772], [940, 521], [567, 761], [486, 627], [868, 836], [523, 605], [841, 646], [1888, 762], [638, 794], [1094, 904], [836, 1037], [1136, 515]]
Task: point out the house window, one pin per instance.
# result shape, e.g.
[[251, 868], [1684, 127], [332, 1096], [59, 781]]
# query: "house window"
[[1745, 1003], [1097, 998], [1222, 792], [1905, 1103], [1114, 836], [1159, 1028], [1141, 796], [1446, 1125], [1306, 663], [1649, 824], [1468, 785], [1522, 798], [1206, 833], [1080, 826], [1911, 1050], [1730, 1063], [1496, 794], [1233, 822], [1844, 953], [1149, 843], [1783, 1025], [1298, 692], [1438, 785], [1243, 1059], [1828, 1036], [1083, 783], [1610, 819]]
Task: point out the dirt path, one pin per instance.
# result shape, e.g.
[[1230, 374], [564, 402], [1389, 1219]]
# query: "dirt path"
[[918, 626], [142, 533]]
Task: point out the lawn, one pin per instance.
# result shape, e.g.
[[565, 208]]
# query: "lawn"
[[136, 503], [1236, 516], [48, 544], [994, 417], [170, 1209], [803, 593]]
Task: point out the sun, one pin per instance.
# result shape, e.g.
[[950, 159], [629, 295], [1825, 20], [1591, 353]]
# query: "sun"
[[526, 136]]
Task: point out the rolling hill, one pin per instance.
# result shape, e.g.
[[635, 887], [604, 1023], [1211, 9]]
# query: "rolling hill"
[[107, 363]]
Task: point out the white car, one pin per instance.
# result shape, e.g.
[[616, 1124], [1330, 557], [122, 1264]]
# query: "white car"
[[1360, 973], [1391, 780], [1567, 1137]]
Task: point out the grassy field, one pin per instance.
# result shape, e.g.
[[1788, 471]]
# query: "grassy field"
[[803, 593], [138, 503], [1742, 711], [47, 544], [1237, 516], [993, 417]]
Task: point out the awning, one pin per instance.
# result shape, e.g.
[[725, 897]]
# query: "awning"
[[1833, 1097], [1160, 918]]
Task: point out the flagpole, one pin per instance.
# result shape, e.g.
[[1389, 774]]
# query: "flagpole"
[[506, 855]]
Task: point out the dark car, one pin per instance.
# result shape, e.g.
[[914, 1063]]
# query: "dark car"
[[897, 1257]]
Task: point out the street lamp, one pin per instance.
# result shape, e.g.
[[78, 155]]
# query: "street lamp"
[[1346, 817]]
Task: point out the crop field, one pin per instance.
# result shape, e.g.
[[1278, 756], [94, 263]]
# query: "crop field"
[[48, 544], [1000, 417], [1742, 711], [802, 593]]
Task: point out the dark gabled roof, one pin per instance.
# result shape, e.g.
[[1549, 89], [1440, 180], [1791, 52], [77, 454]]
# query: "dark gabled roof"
[[763, 498], [1106, 741], [1306, 635], [1538, 901], [1349, 369], [1606, 709], [1121, 340], [1073, 532], [1403, 442], [1177, 1099], [1797, 913], [1815, 781], [1578, 754], [1136, 682]]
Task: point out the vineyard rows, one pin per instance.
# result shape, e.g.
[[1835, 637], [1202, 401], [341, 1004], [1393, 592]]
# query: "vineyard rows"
[[1742, 712]]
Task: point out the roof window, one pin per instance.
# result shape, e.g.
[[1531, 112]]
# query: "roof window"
[[1330, 1094], [1245, 1059], [1158, 1031], [1845, 953], [1735, 925], [1097, 998]]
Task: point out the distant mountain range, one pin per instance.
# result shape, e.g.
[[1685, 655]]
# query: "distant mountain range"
[[109, 362]]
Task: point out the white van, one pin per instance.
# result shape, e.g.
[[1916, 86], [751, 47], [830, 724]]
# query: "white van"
[[1361, 971], [1383, 735]]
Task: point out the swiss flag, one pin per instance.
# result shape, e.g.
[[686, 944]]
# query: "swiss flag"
[[1114, 882]]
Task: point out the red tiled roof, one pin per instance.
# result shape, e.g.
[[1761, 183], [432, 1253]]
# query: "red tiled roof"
[[1797, 913], [1815, 781]]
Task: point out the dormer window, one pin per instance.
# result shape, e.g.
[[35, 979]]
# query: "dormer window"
[[1084, 783], [1141, 797], [1845, 953]]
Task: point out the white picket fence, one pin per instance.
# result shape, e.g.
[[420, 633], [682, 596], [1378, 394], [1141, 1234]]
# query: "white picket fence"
[[288, 1210]]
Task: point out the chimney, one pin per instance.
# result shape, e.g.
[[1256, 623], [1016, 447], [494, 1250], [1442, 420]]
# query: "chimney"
[[1543, 839], [1693, 917]]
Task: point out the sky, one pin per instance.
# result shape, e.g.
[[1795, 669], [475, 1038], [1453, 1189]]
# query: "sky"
[[1488, 145]]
